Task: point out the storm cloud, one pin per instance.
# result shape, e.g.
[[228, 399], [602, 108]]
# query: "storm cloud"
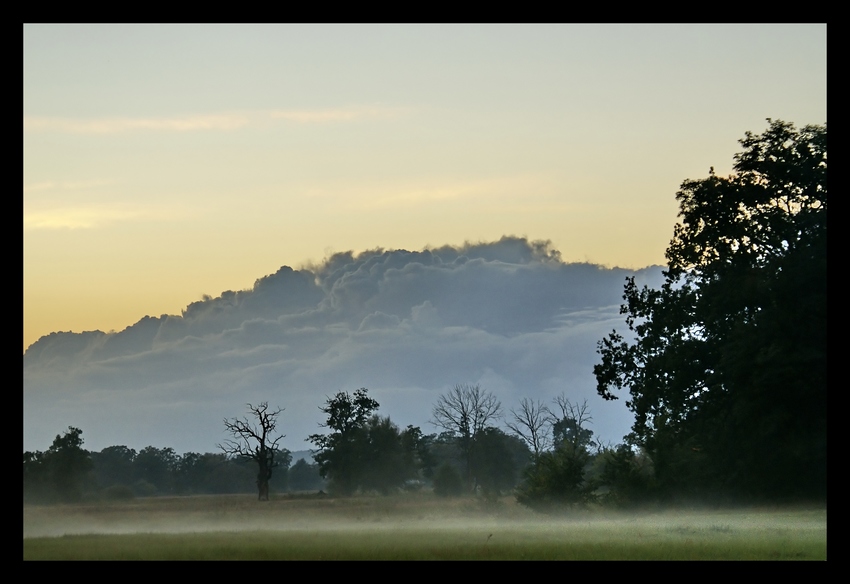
[[509, 315]]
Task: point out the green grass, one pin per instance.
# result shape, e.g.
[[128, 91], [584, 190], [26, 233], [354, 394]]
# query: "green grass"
[[410, 527]]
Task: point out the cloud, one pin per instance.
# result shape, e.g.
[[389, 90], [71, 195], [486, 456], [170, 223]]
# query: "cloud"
[[407, 325], [338, 114], [208, 122], [497, 193], [125, 124], [65, 185], [76, 217]]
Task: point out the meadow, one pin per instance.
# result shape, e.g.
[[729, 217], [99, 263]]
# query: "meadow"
[[411, 527]]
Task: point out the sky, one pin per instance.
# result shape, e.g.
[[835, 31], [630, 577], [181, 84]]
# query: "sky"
[[166, 164]]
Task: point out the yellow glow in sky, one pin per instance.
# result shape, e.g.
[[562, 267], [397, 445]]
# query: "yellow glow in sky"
[[166, 162]]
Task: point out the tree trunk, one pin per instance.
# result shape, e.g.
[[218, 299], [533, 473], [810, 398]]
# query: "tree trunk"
[[263, 484]]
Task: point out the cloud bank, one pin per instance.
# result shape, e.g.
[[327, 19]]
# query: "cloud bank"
[[509, 315]]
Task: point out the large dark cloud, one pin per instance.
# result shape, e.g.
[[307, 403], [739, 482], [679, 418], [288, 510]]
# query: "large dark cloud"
[[509, 315]]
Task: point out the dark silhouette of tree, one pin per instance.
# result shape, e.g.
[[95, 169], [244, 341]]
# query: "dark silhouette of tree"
[[464, 412], [304, 476], [447, 481], [366, 451], [497, 459], [60, 472], [626, 476], [531, 422], [569, 423], [254, 439], [388, 459], [726, 368], [113, 466], [557, 477], [340, 455], [158, 467]]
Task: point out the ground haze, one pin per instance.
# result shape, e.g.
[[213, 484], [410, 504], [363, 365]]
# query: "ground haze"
[[410, 527]]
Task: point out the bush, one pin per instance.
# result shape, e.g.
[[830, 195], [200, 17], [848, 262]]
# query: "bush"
[[447, 481], [118, 493], [557, 479]]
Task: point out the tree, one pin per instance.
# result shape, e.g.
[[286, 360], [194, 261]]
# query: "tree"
[[113, 466], [447, 481], [497, 459], [254, 440], [727, 366], [304, 476], [557, 477], [157, 467], [531, 423], [569, 427], [60, 472], [339, 453], [465, 412], [388, 455], [626, 475]]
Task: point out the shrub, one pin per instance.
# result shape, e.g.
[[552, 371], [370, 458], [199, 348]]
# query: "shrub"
[[447, 481]]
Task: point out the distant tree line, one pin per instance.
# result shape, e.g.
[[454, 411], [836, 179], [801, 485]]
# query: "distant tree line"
[[68, 473], [362, 452]]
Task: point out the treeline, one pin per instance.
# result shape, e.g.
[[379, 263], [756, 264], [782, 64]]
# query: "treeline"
[[68, 473], [548, 458]]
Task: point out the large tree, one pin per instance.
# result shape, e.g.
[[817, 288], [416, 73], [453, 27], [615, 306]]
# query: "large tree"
[[339, 454], [726, 364], [255, 439], [557, 476], [60, 472], [464, 413], [364, 450]]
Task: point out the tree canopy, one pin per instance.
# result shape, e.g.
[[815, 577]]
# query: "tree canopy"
[[364, 451], [726, 367], [59, 473]]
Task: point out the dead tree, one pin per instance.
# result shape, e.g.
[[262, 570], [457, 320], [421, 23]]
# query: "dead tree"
[[531, 422], [253, 439], [465, 412]]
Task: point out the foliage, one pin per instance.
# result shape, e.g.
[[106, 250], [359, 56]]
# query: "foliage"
[[364, 451], [157, 466], [118, 493], [557, 477], [304, 476], [114, 465], [338, 454], [497, 459], [447, 481], [256, 443], [727, 369], [569, 427], [626, 476], [61, 472], [386, 461]]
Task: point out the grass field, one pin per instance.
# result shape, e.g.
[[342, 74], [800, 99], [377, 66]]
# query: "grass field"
[[410, 527]]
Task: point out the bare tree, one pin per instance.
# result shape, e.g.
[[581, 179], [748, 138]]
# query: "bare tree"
[[465, 412], [570, 426], [254, 440], [531, 422]]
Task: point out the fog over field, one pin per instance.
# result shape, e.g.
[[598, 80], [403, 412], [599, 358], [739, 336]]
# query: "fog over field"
[[408, 325], [412, 526]]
